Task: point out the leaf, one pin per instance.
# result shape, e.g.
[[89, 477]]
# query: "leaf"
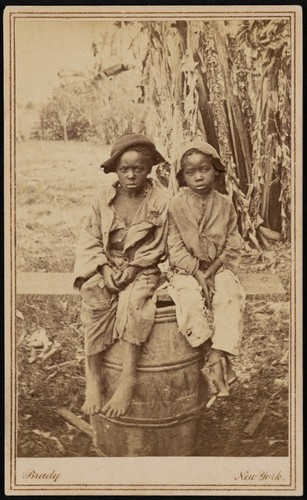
[[47, 435], [49, 353], [279, 307], [278, 382], [274, 441], [260, 318], [39, 339], [64, 305], [58, 444], [188, 63], [285, 359], [254, 422], [20, 315], [33, 356], [37, 432]]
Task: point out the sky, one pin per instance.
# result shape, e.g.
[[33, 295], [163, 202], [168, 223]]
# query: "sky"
[[44, 47]]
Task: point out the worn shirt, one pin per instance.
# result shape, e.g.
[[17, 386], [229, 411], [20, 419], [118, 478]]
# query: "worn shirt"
[[202, 229], [144, 242], [118, 232]]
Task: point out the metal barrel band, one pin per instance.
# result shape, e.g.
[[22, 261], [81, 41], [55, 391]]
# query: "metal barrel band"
[[157, 423], [155, 368]]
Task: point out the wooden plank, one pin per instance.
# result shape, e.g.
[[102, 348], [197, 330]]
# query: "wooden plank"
[[62, 284], [46, 283], [76, 421]]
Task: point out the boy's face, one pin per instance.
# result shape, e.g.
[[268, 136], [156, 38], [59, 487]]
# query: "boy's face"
[[198, 172], [132, 170]]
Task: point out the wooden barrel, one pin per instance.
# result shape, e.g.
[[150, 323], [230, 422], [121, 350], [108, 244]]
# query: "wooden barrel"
[[162, 419]]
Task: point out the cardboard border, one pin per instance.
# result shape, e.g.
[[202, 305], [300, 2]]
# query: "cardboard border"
[[152, 469]]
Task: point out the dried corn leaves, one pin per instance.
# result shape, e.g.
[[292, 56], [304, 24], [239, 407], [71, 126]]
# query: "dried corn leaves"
[[229, 83]]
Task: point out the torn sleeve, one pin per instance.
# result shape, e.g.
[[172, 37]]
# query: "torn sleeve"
[[90, 253]]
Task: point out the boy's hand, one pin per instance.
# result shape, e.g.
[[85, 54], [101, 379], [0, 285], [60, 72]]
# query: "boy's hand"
[[210, 274], [200, 277], [123, 278], [109, 278], [210, 280]]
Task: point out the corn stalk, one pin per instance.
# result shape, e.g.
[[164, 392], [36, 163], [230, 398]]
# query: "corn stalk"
[[228, 83], [266, 48]]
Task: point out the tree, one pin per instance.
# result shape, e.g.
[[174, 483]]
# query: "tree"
[[64, 100]]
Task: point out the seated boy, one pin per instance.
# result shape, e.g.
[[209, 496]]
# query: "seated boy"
[[121, 244], [204, 253]]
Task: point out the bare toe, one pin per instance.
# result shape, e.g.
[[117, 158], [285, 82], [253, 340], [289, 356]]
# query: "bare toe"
[[93, 399], [120, 401]]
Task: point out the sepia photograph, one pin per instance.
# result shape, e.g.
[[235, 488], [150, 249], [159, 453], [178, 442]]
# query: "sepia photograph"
[[153, 176]]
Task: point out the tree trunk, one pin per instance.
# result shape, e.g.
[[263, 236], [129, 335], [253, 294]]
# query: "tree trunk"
[[65, 130]]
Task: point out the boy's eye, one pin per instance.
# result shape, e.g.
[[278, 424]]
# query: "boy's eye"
[[202, 170], [138, 170]]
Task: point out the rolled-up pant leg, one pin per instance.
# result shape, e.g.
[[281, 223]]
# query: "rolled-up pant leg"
[[190, 309], [98, 312], [228, 305]]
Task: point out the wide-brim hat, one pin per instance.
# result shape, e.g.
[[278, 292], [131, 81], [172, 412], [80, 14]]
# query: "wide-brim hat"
[[128, 141], [205, 148]]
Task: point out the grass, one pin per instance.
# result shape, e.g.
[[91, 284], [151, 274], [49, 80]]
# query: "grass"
[[55, 183]]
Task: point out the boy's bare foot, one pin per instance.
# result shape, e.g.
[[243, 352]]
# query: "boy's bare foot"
[[215, 373], [121, 399], [93, 398]]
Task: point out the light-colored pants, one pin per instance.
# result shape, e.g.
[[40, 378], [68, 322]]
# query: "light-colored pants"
[[227, 307]]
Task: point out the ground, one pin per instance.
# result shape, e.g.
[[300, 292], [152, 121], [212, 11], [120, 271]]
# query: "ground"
[[55, 182]]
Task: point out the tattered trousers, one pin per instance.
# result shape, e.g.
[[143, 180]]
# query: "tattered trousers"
[[128, 315], [227, 308]]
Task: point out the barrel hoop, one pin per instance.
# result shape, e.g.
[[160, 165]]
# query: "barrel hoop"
[[156, 423], [155, 368], [165, 319], [165, 315], [166, 310]]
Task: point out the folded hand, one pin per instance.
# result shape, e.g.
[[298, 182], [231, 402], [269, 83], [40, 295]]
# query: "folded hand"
[[123, 278], [200, 277], [109, 278]]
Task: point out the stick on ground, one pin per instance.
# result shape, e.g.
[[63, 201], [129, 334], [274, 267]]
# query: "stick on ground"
[[76, 421]]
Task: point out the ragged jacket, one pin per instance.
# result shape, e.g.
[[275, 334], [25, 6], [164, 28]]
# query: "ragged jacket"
[[145, 243], [202, 229]]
